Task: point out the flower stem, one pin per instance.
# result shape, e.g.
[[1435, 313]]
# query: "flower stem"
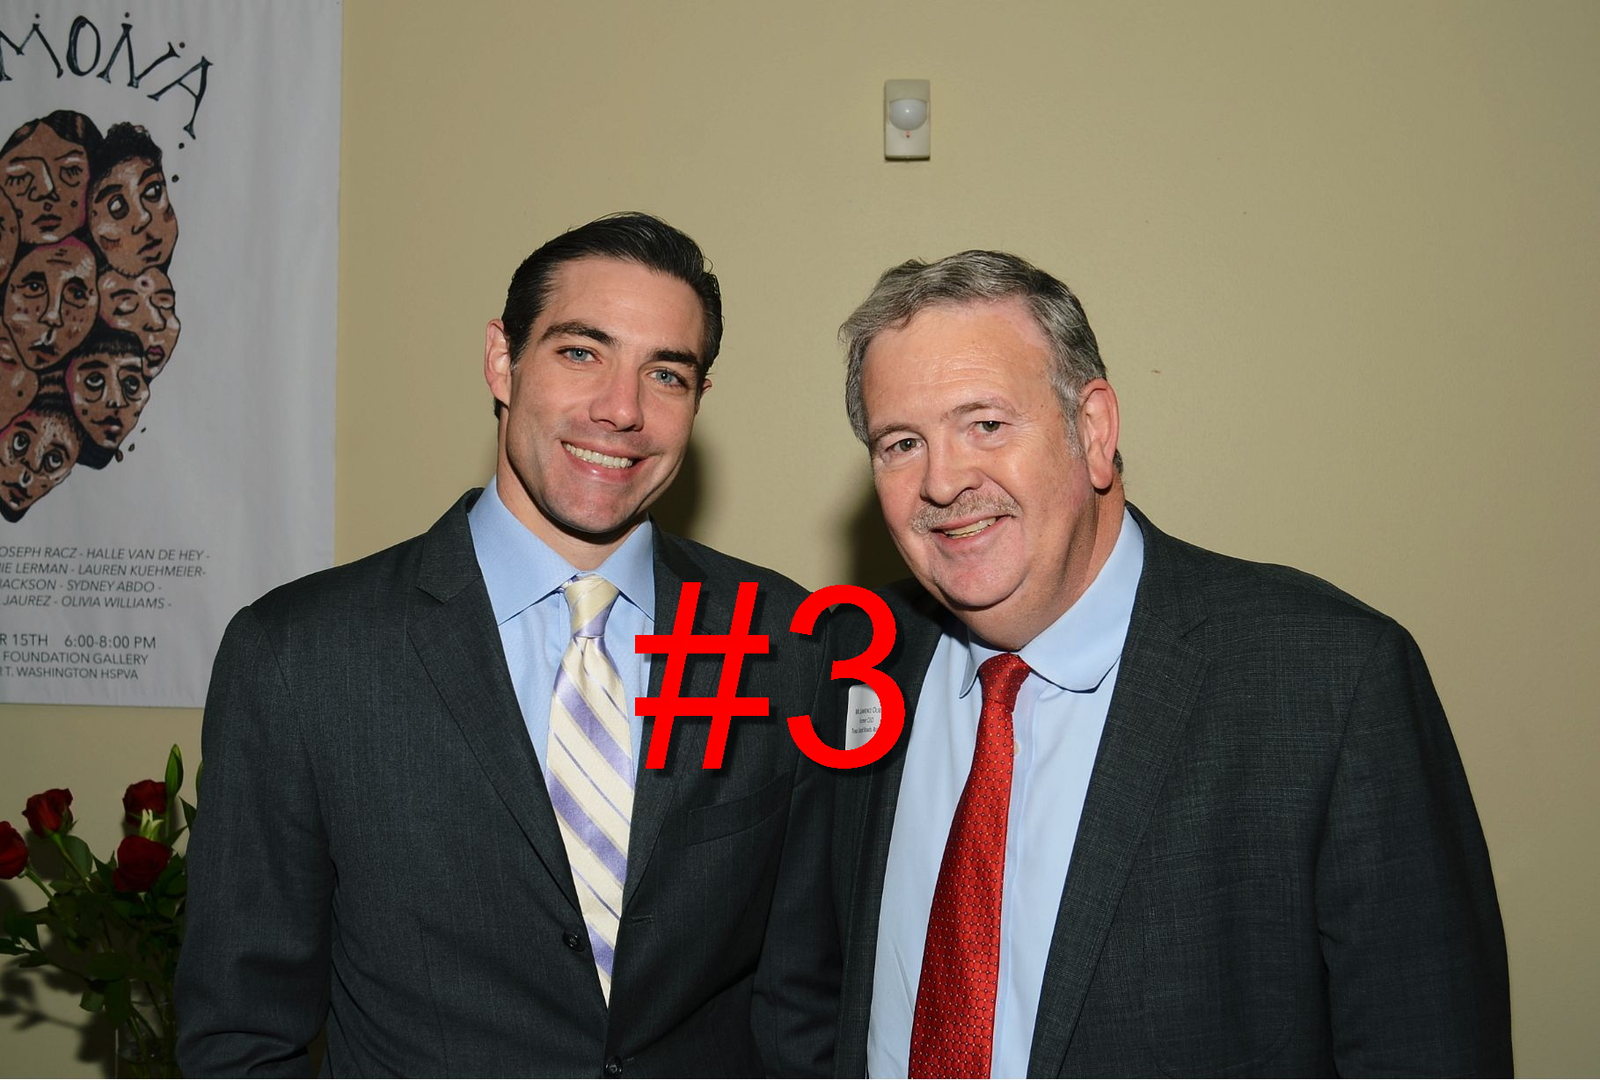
[[39, 881], [55, 838]]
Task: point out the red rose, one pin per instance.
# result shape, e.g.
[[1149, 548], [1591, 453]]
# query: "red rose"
[[148, 795], [47, 811], [139, 863], [13, 851]]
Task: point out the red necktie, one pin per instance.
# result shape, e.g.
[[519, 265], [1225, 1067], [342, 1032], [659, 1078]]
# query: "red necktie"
[[952, 1033]]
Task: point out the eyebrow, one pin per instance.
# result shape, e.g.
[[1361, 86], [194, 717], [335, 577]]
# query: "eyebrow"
[[108, 189], [958, 411], [574, 328]]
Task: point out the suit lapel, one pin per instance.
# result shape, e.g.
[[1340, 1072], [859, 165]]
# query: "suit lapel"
[[869, 800], [1159, 678], [655, 790], [452, 629]]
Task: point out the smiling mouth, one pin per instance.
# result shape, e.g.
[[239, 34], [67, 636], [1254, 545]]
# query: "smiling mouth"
[[594, 457], [969, 530]]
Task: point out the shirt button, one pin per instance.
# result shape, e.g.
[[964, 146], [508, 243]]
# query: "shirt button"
[[573, 942], [614, 1067]]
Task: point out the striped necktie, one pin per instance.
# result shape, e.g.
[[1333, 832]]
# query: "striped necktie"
[[590, 767]]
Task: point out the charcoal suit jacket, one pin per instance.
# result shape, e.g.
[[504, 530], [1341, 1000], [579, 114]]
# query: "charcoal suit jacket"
[[1279, 870], [376, 850]]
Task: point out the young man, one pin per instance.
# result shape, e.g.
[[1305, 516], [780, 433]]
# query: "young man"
[[426, 818], [1157, 811]]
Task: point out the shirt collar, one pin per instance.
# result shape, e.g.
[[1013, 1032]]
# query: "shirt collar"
[[520, 570], [1079, 649]]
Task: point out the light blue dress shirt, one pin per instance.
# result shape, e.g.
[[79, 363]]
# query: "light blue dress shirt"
[[1059, 715], [524, 577]]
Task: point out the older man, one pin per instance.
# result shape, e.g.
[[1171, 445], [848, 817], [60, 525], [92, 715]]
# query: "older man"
[[427, 821], [1156, 810]]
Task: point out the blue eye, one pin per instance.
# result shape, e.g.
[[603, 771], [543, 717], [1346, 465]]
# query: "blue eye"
[[576, 352], [668, 377]]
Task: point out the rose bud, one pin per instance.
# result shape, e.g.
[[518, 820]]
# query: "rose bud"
[[13, 851], [148, 795], [47, 811], [139, 863]]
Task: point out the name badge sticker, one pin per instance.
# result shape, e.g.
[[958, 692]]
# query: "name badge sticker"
[[863, 714]]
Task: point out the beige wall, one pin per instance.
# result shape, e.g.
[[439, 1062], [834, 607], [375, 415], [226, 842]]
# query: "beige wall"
[[1338, 257]]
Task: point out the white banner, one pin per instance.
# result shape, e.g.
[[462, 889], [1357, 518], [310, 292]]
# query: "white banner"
[[169, 253]]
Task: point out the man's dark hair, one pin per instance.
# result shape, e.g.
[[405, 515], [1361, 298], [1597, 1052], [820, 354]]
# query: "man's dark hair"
[[635, 237], [124, 142]]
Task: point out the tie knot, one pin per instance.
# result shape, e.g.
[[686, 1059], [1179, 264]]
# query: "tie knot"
[[1001, 677], [589, 600]]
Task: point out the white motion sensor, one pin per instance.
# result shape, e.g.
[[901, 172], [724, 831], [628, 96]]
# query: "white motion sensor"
[[906, 120]]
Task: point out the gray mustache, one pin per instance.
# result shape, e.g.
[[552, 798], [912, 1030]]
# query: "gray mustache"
[[930, 518]]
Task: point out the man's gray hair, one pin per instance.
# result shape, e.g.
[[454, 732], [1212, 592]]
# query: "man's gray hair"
[[969, 277]]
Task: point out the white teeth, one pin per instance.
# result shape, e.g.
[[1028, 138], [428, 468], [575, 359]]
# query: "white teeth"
[[970, 530], [594, 458]]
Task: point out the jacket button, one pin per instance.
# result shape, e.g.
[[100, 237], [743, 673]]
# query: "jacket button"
[[614, 1067], [573, 942]]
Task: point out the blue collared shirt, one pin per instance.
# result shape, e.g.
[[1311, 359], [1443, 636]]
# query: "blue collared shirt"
[[1059, 716], [524, 577]]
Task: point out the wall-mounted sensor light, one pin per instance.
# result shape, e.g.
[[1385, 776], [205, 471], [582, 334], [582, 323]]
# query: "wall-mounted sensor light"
[[906, 119]]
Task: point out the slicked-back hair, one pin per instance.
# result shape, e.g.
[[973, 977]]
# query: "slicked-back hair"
[[634, 237], [974, 277]]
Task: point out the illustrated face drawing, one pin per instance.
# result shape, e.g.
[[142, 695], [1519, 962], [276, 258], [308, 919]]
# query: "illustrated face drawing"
[[37, 451], [46, 178], [108, 392], [130, 218], [145, 305], [51, 302]]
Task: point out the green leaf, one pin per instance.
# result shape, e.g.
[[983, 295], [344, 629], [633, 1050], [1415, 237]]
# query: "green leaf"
[[92, 1000], [108, 966], [174, 772], [21, 928], [188, 810], [79, 853], [118, 1002]]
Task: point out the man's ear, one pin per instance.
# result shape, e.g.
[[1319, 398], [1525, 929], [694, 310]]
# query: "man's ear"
[[497, 361], [1099, 424], [705, 388]]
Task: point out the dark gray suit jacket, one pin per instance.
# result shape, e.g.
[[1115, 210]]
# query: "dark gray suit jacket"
[[376, 848], [1279, 870]]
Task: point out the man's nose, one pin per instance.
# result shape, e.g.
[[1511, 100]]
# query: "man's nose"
[[950, 471], [617, 401]]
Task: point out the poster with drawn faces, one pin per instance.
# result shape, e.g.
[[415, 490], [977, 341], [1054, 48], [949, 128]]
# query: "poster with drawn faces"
[[88, 314]]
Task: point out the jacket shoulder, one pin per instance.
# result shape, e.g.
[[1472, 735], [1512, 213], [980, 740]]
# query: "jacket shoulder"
[[343, 592], [697, 562]]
